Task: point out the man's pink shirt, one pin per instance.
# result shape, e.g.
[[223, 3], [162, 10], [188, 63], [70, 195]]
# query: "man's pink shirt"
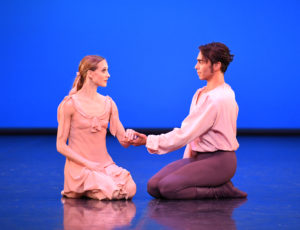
[[210, 125]]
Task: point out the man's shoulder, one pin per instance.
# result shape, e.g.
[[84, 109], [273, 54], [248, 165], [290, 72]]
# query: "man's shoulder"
[[222, 94]]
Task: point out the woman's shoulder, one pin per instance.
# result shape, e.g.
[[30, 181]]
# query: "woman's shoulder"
[[109, 99], [65, 108], [102, 97], [67, 104]]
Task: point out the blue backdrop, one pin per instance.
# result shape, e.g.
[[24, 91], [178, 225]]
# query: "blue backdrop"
[[151, 48]]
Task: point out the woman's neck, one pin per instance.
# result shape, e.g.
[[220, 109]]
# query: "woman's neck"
[[89, 89]]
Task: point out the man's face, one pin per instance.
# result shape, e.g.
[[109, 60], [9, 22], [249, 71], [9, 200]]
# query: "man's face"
[[203, 67]]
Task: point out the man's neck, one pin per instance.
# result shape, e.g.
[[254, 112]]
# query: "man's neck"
[[215, 81]]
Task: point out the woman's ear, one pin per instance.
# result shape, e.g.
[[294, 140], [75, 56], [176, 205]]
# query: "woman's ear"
[[89, 74]]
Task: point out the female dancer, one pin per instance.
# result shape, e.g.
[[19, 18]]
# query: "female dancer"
[[83, 117], [209, 133]]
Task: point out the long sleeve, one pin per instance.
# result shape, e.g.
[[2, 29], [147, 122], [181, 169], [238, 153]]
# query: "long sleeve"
[[198, 122]]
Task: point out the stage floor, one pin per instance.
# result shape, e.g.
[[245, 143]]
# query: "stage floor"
[[31, 179]]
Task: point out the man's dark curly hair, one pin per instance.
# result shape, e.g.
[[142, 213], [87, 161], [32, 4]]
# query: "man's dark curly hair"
[[217, 52]]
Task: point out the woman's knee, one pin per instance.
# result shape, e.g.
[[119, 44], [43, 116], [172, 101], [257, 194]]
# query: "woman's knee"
[[96, 195], [73, 195], [131, 188]]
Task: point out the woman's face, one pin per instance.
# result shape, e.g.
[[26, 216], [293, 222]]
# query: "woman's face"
[[100, 75]]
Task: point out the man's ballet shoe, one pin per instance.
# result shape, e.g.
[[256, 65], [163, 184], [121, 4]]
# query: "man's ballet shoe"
[[226, 190]]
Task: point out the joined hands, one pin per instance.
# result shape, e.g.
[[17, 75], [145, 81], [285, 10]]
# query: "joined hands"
[[135, 138]]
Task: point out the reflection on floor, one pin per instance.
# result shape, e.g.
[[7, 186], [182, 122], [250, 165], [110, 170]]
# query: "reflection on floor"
[[87, 213], [194, 214], [31, 179]]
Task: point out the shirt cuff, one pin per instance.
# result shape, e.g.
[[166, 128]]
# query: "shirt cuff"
[[152, 143]]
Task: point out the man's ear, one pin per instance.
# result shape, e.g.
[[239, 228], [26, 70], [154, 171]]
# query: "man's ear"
[[217, 66]]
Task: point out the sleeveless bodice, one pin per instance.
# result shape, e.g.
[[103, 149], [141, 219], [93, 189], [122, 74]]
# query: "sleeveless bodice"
[[88, 133]]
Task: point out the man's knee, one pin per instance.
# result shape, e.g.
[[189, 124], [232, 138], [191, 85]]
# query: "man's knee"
[[152, 183], [152, 187], [168, 188]]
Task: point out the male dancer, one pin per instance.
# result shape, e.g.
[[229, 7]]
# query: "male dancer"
[[209, 133]]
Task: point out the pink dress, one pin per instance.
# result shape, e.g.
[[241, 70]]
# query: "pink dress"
[[87, 137]]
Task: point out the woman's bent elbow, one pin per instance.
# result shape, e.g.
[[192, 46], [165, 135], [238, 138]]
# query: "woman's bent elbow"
[[59, 147]]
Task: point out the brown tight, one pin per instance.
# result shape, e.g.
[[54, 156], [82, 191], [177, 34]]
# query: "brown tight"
[[207, 175]]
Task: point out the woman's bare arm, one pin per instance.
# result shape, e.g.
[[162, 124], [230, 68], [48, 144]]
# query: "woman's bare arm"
[[66, 111]]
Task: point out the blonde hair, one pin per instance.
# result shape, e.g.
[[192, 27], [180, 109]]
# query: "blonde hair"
[[87, 63]]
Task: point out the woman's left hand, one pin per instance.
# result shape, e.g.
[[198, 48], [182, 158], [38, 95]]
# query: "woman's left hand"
[[135, 138], [130, 135]]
